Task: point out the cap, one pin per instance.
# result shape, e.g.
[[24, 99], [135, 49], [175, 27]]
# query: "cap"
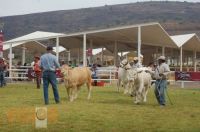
[[161, 58], [49, 48]]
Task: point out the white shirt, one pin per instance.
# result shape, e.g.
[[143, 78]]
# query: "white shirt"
[[162, 69]]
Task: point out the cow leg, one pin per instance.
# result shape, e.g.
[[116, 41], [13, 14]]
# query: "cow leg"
[[118, 85], [72, 94], [89, 90], [76, 92], [125, 88], [68, 92], [145, 94], [140, 93], [137, 100]]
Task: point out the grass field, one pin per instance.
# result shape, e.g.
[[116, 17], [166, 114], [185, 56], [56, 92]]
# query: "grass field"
[[106, 111]]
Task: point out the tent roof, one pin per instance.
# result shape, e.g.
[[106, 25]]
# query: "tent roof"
[[126, 37], [187, 41], [30, 46], [38, 35]]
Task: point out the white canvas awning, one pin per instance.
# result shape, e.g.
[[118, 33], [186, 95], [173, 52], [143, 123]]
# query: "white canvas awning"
[[31, 46], [38, 35], [187, 41], [126, 36]]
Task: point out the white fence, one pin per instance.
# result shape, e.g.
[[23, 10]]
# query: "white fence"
[[107, 74]]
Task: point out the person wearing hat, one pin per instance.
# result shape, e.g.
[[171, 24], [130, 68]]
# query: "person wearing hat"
[[37, 70], [136, 63], [161, 72], [49, 64]]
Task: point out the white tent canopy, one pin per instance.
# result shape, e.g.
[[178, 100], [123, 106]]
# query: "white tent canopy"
[[187, 41], [31, 46], [38, 35]]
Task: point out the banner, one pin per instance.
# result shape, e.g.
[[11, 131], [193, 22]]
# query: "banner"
[[187, 76]]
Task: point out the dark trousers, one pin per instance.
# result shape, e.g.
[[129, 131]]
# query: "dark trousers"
[[50, 77], [160, 86], [38, 79], [2, 78]]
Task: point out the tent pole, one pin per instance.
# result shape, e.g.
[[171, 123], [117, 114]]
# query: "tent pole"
[[181, 59], [57, 48], [102, 57], [69, 56], [181, 64], [78, 55], [23, 55], [10, 62], [139, 43], [91, 56], [84, 50], [195, 63], [115, 53]]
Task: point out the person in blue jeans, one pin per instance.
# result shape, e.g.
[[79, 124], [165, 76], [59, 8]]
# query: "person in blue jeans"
[[2, 72], [49, 64], [161, 72]]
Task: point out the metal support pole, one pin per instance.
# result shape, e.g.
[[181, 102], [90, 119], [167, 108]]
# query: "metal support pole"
[[139, 43], [78, 55], [102, 52], [10, 61], [181, 59], [195, 62], [57, 48], [23, 55], [84, 50], [115, 53], [91, 56], [69, 55], [181, 64]]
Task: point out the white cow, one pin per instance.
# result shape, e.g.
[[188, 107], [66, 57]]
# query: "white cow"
[[125, 76], [142, 82]]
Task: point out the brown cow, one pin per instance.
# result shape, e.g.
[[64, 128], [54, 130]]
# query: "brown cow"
[[74, 78]]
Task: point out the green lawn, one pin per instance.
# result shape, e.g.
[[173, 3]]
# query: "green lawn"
[[106, 111]]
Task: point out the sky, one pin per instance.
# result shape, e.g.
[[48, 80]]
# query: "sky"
[[20, 7]]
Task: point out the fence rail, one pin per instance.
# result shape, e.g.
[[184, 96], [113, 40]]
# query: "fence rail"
[[108, 74]]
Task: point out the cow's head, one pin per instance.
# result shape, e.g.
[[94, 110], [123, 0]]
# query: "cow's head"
[[125, 64], [65, 70]]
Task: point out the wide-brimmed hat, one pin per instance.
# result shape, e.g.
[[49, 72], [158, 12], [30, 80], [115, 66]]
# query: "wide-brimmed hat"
[[161, 58]]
